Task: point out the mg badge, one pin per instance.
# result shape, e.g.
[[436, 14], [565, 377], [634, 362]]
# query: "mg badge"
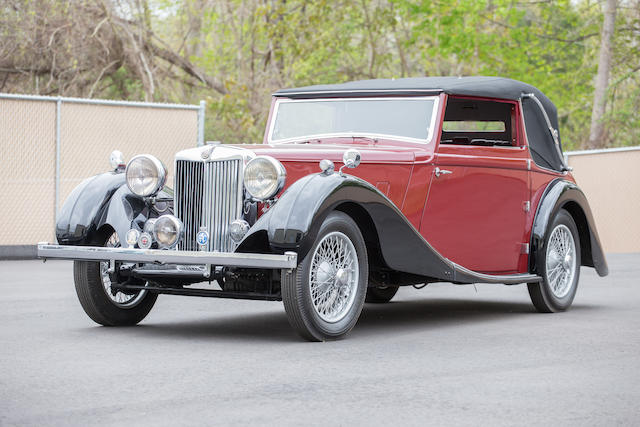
[[202, 237], [207, 153]]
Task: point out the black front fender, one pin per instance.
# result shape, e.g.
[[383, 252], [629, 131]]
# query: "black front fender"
[[562, 194], [100, 200]]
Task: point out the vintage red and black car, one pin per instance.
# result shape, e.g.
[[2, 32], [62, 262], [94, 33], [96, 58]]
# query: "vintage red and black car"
[[356, 189]]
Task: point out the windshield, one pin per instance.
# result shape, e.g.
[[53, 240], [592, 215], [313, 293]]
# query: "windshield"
[[404, 118]]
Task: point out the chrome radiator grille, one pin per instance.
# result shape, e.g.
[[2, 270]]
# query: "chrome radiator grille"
[[208, 195]]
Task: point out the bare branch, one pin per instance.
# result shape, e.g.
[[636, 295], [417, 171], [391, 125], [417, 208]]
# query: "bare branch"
[[104, 70], [186, 66]]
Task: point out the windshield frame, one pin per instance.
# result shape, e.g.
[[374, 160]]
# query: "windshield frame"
[[429, 139]]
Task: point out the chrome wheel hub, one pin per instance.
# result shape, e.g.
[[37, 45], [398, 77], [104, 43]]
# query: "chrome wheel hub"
[[118, 298], [561, 261], [342, 277], [333, 277]]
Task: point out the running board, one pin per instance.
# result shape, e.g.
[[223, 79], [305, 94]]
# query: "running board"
[[464, 275]]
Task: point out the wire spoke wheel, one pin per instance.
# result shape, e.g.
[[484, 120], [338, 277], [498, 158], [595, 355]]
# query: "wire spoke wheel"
[[561, 261], [324, 295], [333, 277], [102, 303], [120, 299], [558, 265]]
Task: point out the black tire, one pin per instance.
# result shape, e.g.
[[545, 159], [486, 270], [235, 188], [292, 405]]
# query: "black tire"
[[94, 299], [296, 288], [381, 294], [542, 295]]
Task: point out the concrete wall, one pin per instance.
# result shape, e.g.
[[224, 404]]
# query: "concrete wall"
[[611, 181]]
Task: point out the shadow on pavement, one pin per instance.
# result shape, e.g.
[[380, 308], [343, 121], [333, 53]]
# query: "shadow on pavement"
[[440, 313], [375, 319]]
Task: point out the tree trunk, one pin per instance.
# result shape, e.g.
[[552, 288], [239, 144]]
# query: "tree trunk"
[[596, 135]]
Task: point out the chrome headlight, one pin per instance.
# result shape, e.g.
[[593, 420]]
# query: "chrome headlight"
[[146, 175], [264, 177]]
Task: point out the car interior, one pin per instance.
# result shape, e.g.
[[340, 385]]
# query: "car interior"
[[478, 122]]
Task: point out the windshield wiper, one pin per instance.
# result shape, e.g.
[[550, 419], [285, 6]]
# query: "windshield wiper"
[[354, 137], [319, 140], [303, 141]]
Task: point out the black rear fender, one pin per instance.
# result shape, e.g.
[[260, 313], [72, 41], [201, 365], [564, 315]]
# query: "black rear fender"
[[562, 194]]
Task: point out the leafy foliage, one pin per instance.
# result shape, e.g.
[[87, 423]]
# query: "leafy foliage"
[[235, 53]]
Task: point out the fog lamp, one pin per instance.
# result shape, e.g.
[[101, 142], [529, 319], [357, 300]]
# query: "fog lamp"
[[167, 231], [132, 237], [238, 229]]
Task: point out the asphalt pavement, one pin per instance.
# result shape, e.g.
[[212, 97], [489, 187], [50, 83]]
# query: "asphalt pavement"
[[442, 355]]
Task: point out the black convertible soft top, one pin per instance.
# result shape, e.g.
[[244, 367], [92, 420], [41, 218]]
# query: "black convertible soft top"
[[535, 104]]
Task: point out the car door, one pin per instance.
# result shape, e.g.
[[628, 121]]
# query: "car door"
[[476, 206]]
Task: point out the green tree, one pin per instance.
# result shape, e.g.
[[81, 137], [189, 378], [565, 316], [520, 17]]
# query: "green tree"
[[235, 53]]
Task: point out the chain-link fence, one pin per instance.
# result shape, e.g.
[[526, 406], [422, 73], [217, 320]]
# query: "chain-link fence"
[[48, 145]]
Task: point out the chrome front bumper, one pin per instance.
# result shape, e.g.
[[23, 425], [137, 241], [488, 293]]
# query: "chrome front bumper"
[[227, 259]]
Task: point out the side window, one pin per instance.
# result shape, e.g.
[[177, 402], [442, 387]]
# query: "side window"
[[476, 122]]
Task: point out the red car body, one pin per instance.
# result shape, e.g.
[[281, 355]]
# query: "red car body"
[[457, 213]]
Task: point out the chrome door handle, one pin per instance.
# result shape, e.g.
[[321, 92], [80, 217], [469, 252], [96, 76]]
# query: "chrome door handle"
[[442, 172]]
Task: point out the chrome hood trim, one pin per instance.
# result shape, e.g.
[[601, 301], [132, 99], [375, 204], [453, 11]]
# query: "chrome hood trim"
[[215, 152]]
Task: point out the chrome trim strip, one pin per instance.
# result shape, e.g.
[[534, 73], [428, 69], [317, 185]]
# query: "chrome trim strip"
[[228, 259], [428, 140], [509, 279]]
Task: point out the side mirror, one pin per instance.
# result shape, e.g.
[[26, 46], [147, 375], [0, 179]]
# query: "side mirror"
[[351, 158]]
